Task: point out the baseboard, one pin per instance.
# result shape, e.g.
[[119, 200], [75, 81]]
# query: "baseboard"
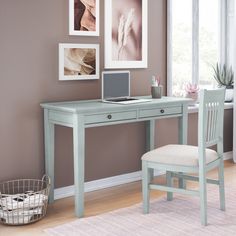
[[228, 155], [111, 181], [99, 184]]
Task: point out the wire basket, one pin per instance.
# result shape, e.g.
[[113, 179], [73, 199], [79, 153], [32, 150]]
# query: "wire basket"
[[23, 201]]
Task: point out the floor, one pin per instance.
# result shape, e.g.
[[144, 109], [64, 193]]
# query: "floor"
[[99, 202]]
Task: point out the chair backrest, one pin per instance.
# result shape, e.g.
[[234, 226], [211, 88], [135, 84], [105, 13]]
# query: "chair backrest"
[[211, 118]]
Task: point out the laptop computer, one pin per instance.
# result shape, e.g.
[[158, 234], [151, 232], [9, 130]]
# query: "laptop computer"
[[116, 88]]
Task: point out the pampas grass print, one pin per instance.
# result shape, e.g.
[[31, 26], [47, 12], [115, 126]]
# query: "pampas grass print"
[[124, 28]]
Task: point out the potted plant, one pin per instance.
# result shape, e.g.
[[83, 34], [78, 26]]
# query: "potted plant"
[[224, 77], [192, 92]]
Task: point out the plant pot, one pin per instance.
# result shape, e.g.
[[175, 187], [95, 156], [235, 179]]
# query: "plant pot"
[[229, 95], [193, 96]]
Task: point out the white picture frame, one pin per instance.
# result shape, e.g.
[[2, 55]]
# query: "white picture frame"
[[76, 17], [78, 61], [130, 51]]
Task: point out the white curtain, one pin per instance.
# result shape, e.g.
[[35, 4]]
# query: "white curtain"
[[230, 47], [234, 67], [232, 35]]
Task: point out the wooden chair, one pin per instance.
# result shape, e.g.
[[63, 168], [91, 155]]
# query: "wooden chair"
[[179, 159]]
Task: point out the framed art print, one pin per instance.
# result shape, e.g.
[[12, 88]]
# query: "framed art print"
[[84, 17], [78, 61], [126, 33]]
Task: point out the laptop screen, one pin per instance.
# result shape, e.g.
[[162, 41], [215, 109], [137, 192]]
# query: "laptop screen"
[[115, 84]]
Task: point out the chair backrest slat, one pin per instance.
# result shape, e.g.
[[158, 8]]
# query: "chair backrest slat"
[[211, 115]]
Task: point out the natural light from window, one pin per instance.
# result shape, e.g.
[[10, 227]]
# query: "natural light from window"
[[209, 27], [181, 44], [206, 43]]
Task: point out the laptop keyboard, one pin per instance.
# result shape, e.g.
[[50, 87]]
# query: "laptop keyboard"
[[121, 99]]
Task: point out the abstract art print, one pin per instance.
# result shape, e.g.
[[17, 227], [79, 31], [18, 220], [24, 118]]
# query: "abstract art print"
[[78, 61], [84, 17], [125, 33]]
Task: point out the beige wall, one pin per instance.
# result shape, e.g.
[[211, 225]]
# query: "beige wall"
[[30, 31]]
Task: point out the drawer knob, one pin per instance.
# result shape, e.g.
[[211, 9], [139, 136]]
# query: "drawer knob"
[[162, 111], [109, 117]]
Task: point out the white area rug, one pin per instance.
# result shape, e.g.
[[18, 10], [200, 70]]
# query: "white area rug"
[[178, 217]]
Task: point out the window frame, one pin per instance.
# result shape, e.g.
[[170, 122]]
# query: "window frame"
[[224, 39]]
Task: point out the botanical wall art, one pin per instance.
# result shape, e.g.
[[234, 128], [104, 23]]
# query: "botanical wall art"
[[126, 33], [84, 17], [78, 61]]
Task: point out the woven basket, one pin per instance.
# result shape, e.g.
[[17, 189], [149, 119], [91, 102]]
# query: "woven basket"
[[23, 201]]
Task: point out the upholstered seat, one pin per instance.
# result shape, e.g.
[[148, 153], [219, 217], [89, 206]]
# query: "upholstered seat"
[[184, 155]]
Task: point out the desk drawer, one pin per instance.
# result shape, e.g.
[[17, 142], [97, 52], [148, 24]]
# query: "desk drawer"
[[109, 117], [159, 111]]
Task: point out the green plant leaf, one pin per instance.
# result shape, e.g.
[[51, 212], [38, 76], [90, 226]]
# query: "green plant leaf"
[[223, 75]]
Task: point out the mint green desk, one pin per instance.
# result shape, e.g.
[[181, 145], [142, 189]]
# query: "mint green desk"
[[92, 113]]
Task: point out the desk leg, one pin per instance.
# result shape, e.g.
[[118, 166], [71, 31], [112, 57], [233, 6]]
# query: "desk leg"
[[150, 141], [183, 129], [150, 135], [79, 153], [49, 151]]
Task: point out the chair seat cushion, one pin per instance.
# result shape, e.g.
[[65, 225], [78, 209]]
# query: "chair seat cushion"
[[184, 155]]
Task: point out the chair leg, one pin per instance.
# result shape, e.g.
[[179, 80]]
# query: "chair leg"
[[221, 185], [182, 182], [150, 175], [145, 187], [169, 182], [203, 197]]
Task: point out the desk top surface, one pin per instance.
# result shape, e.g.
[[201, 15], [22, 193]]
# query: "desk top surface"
[[98, 105]]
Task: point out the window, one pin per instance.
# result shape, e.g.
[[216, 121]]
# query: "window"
[[209, 40], [196, 42]]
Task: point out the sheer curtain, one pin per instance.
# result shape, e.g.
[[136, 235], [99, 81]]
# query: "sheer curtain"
[[231, 56], [234, 66]]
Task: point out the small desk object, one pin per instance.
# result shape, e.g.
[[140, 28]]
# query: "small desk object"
[[92, 113]]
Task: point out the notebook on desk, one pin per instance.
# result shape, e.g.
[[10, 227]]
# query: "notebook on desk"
[[116, 88]]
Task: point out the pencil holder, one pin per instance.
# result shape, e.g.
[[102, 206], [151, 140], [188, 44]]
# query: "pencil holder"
[[156, 91]]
